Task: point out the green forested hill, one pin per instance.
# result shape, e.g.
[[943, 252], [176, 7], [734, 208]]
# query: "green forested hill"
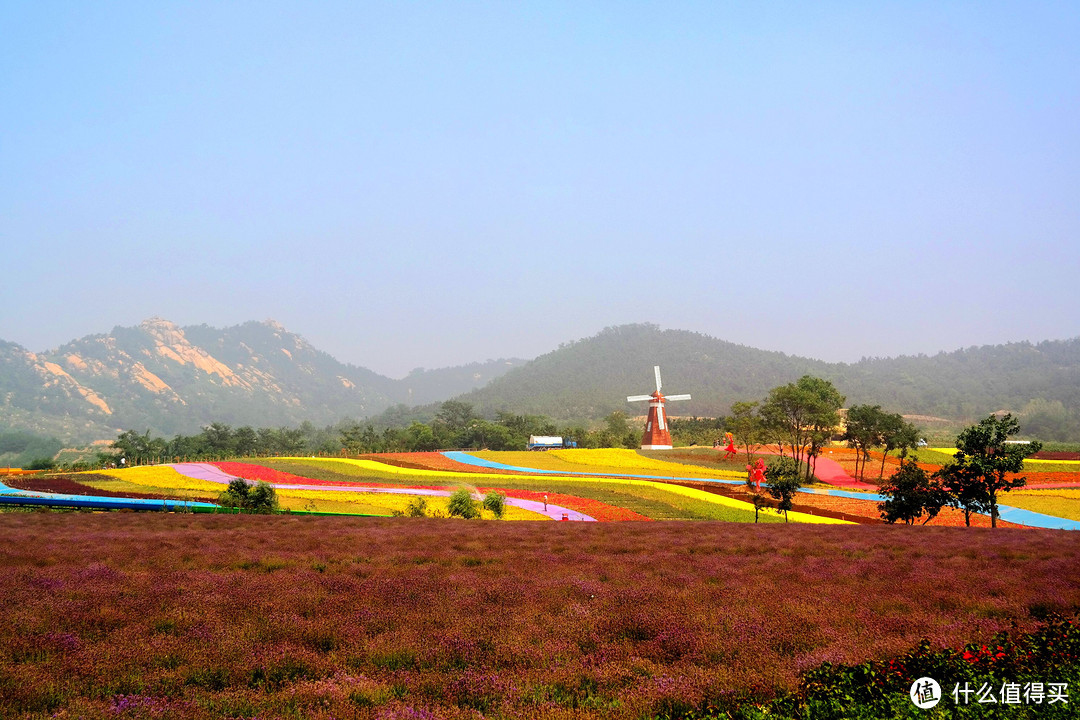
[[590, 378]]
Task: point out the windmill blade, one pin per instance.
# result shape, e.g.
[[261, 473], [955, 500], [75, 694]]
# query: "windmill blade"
[[637, 398], [676, 397], [656, 369]]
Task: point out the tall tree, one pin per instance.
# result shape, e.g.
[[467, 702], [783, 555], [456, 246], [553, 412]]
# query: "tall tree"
[[911, 493], [748, 427], [983, 460], [863, 431], [896, 434], [782, 481], [456, 415], [805, 413]]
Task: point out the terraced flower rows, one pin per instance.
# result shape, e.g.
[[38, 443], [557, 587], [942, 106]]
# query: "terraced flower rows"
[[605, 485], [657, 500]]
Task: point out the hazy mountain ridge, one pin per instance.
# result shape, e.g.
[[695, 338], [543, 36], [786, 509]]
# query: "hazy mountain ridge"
[[590, 378], [175, 380], [172, 380]]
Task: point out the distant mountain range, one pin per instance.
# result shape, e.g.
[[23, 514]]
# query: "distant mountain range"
[[172, 380], [591, 378]]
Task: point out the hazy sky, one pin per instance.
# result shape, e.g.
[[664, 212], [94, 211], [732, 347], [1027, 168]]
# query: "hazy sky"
[[425, 184]]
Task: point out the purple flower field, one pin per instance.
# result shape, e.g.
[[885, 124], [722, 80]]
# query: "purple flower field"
[[124, 615]]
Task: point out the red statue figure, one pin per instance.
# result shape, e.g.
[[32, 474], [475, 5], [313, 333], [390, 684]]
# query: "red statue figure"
[[757, 473], [729, 451]]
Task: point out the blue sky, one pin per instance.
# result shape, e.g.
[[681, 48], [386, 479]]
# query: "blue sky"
[[425, 184]]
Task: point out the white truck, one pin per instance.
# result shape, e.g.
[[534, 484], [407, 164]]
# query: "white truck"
[[549, 442]]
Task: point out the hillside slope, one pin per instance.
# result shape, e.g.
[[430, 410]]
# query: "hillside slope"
[[171, 380], [592, 377]]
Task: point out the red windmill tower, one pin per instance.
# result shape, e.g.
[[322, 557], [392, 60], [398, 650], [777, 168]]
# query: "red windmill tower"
[[657, 436]]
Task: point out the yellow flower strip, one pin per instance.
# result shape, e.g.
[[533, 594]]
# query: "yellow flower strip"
[[632, 460], [1057, 502], [1071, 464], [618, 462], [380, 503], [487, 480], [165, 479], [122, 486], [162, 476], [1073, 493]]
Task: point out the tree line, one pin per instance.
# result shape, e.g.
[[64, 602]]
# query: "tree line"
[[979, 472], [800, 418]]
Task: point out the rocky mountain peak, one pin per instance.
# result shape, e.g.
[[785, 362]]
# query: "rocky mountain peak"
[[164, 331]]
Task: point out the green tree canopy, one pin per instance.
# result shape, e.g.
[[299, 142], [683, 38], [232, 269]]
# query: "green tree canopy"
[[983, 459], [782, 480], [911, 493], [803, 414]]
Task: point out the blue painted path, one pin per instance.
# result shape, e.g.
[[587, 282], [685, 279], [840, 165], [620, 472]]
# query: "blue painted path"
[[14, 496]]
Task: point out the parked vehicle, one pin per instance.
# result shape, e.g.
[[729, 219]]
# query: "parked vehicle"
[[549, 442]]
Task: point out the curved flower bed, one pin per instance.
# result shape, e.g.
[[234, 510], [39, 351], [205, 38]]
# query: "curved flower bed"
[[433, 461], [162, 476], [632, 460], [85, 485], [601, 511], [261, 472]]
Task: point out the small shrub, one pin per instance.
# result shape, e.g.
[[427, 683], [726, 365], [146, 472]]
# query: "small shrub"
[[463, 505], [495, 501], [417, 507], [262, 498]]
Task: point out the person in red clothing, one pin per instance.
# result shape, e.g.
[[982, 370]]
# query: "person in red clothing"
[[729, 451]]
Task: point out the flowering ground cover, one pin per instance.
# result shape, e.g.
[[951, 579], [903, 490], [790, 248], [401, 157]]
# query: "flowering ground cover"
[[701, 457], [653, 499], [185, 617], [1060, 502], [249, 471], [586, 505], [379, 503], [111, 487], [101, 485], [611, 462], [1035, 479], [593, 508], [347, 475], [160, 476], [632, 460], [431, 461]]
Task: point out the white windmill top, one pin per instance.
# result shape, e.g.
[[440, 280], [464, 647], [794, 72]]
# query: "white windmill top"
[[657, 395]]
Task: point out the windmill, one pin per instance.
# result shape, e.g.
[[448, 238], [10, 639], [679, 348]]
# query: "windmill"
[[657, 436]]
